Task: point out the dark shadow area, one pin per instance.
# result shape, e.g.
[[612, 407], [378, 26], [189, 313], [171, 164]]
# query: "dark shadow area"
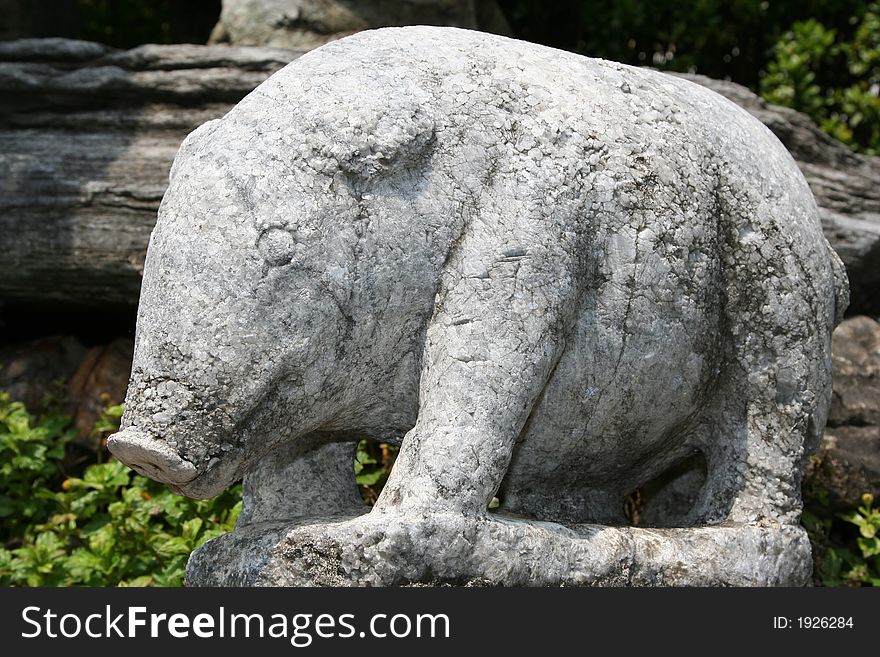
[[112, 22], [666, 500], [90, 326]]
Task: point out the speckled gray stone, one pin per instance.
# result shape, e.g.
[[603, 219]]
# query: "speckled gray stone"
[[555, 279]]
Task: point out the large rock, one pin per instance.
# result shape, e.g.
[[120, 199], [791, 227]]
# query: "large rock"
[[560, 278], [311, 23], [87, 135], [848, 463], [82, 177]]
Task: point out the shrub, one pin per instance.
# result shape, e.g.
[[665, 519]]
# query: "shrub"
[[854, 567], [30, 466], [846, 546], [109, 526], [106, 527], [836, 82]]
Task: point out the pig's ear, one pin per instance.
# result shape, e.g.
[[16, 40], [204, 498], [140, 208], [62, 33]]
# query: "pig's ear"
[[190, 145], [386, 143]]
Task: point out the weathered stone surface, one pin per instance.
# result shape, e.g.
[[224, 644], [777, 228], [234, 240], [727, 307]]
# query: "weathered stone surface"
[[82, 178], [558, 278], [388, 549], [848, 462], [311, 23], [87, 136], [844, 184]]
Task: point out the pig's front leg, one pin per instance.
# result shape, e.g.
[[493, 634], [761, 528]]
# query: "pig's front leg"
[[506, 301], [307, 478]]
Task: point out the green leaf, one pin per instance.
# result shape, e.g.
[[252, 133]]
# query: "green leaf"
[[369, 478], [142, 581], [870, 546], [192, 527]]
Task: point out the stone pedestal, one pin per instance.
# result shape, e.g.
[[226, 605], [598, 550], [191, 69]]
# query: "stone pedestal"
[[382, 549]]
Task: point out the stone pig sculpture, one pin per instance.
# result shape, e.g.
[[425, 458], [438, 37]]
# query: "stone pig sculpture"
[[556, 280]]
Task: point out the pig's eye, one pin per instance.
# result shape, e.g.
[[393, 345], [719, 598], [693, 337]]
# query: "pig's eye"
[[275, 246]]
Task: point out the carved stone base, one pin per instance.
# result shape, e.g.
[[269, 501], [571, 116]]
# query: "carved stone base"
[[389, 549]]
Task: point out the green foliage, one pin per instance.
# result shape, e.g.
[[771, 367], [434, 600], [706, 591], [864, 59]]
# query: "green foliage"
[[31, 458], [113, 527], [835, 81], [107, 527], [791, 76], [372, 465], [864, 566], [109, 420], [719, 38], [846, 545]]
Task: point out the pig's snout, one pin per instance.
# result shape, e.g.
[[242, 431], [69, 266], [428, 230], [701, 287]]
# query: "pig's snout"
[[151, 457]]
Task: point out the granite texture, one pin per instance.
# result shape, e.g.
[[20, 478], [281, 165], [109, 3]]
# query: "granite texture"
[[555, 279]]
